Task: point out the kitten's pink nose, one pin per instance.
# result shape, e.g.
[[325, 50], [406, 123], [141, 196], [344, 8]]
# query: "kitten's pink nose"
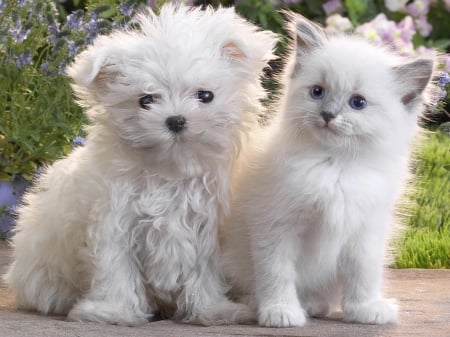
[[327, 116]]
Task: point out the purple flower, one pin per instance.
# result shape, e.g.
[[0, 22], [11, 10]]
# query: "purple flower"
[[23, 59], [418, 8], [332, 6], [444, 79], [386, 29], [40, 17], [19, 33], [423, 26], [78, 141], [44, 67], [407, 29], [53, 30], [447, 5], [75, 20], [126, 8], [62, 68], [337, 22], [3, 5], [21, 3], [395, 5], [369, 32], [91, 28], [73, 48], [427, 52], [380, 29]]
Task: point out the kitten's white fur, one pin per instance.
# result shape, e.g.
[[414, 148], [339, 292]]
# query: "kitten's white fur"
[[127, 225], [313, 205]]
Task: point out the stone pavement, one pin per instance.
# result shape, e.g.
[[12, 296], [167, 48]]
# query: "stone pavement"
[[423, 295]]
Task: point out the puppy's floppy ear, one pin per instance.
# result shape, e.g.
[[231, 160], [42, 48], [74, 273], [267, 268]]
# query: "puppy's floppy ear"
[[248, 46], [233, 52], [412, 79], [253, 53], [95, 68]]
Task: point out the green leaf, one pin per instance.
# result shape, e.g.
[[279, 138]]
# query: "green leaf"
[[355, 9], [314, 7], [262, 19], [441, 44]]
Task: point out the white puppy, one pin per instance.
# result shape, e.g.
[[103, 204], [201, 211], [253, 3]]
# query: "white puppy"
[[127, 225]]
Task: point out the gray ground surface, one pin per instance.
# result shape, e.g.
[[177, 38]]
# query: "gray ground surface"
[[423, 295]]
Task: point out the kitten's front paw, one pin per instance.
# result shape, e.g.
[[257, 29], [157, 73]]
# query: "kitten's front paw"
[[376, 312], [317, 308], [281, 316], [103, 312]]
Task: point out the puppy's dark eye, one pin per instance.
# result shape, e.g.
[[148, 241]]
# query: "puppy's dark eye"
[[145, 101], [357, 102], [317, 92], [205, 96]]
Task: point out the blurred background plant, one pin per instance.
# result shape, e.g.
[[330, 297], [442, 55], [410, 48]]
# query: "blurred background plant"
[[40, 122]]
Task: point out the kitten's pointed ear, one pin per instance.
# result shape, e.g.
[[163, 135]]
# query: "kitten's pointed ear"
[[413, 78], [308, 35]]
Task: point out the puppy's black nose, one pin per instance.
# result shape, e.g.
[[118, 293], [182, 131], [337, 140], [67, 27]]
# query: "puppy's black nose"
[[176, 123], [327, 116]]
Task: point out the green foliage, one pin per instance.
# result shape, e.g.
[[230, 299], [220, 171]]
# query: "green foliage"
[[424, 248], [426, 242], [38, 117], [432, 199], [356, 8]]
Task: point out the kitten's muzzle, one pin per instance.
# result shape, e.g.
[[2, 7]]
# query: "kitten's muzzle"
[[327, 116], [176, 123]]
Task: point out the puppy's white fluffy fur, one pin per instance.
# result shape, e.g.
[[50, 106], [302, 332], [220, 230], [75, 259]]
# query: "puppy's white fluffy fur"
[[313, 206], [127, 225]]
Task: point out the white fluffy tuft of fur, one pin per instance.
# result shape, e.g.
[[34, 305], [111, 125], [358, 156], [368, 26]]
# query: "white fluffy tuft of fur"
[[126, 226], [314, 206]]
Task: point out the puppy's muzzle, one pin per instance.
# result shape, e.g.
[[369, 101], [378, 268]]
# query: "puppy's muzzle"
[[176, 123]]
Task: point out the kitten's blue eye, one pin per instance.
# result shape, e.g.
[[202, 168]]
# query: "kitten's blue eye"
[[205, 96], [317, 92], [357, 102]]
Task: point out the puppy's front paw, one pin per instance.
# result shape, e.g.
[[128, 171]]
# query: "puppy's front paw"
[[223, 314], [375, 312], [281, 316], [103, 312], [238, 313]]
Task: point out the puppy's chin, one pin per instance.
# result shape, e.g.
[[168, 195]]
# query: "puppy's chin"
[[180, 159]]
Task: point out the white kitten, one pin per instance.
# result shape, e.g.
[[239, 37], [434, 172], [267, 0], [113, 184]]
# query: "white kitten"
[[127, 225], [313, 208]]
